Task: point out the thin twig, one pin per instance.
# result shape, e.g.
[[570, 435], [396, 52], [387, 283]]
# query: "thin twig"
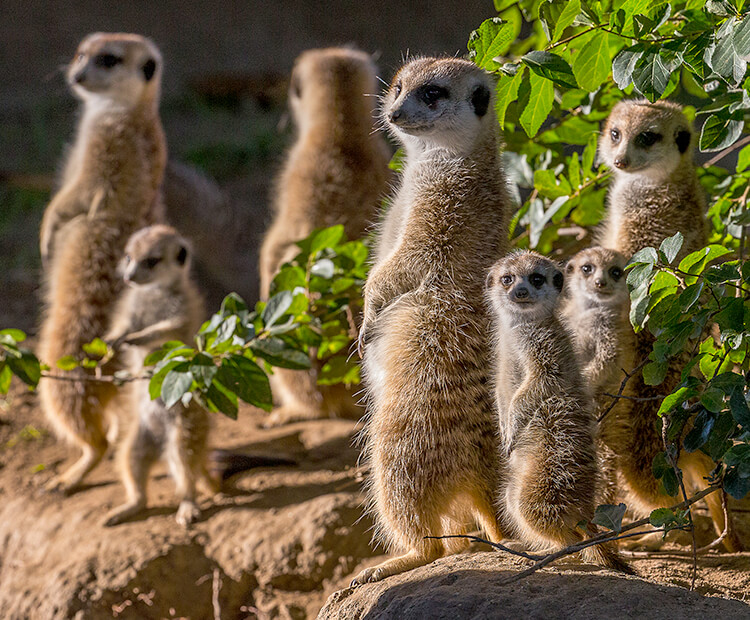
[[216, 586], [636, 398], [628, 375], [93, 379], [721, 155], [498, 546]]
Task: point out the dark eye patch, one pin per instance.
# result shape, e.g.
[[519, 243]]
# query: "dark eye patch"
[[149, 68], [615, 273], [480, 100], [153, 261], [537, 280], [647, 138], [432, 93], [107, 61]]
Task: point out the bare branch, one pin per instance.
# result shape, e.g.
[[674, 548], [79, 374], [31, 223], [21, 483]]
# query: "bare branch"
[[628, 375]]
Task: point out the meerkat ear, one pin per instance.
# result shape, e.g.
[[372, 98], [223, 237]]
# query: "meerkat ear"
[[682, 138], [182, 255], [557, 280], [480, 100], [569, 267], [149, 68], [488, 280]]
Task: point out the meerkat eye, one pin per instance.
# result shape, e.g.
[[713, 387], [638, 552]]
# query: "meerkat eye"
[[615, 134], [587, 269], [127, 258], [107, 61], [431, 94], [506, 280], [537, 280], [615, 273], [153, 261], [647, 138]]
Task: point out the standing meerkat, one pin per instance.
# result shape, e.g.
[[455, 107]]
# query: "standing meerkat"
[[547, 426], [595, 309], [655, 193], [160, 304], [431, 435], [110, 188], [336, 173]]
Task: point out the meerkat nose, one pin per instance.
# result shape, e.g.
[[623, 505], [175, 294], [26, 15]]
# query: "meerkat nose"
[[621, 163], [600, 283], [79, 77], [522, 292]]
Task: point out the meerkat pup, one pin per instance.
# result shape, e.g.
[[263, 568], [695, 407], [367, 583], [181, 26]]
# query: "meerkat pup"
[[110, 188], [335, 173], [655, 193], [431, 436], [546, 419], [161, 303], [595, 309]]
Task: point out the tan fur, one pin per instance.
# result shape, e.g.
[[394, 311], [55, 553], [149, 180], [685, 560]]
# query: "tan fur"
[[160, 304], [546, 418], [595, 309], [655, 193], [336, 173], [110, 188], [431, 433]]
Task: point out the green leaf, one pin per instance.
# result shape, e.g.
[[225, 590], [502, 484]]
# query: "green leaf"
[[695, 263], [591, 65], [326, 238], [732, 316], [609, 516], [661, 517], [161, 371], [397, 161], [506, 92], [67, 362], [646, 255], [203, 369], [726, 59], [720, 131], [651, 75], [26, 368], [5, 378], [339, 369], [288, 278], [218, 398], [277, 353], [15, 334], [624, 64], [676, 399], [175, 384], [737, 481], [690, 295], [246, 379], [671, 246], [557, 15], [550, 66], [663, 471], [490, 40], [698, 435], [738, 407], [276, 307], [323, 268], [737, 454], [713, 400], [535, 98], [640, 275], [654, 372], [233, 304], [96, 348], [743, 158]]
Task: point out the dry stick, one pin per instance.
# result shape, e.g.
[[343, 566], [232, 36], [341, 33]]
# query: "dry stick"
[[666, 423], [94, 379], [595, 540], [726, 151], [216, 586], [628, 375]]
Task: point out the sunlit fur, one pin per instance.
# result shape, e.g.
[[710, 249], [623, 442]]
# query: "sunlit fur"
[[431, 434], [655, 195], [335, 173], [595, 309], [546, 417], [110, 188], [159, 304]]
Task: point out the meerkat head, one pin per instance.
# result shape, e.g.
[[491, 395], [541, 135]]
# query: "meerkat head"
[[439, 102], [330, 83], [646, 139], [524, 286], [125, 68], [597, 275], [155, 255]]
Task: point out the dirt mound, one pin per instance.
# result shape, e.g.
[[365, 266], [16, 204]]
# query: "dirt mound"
[[278, 542]]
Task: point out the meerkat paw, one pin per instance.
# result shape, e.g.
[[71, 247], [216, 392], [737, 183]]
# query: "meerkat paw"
[[187, 513], [123, 513], [369, 575], [60, 484]]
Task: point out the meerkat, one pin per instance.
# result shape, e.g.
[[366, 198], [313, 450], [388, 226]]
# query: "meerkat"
[[547, 426], [110, 188], [335, 173], [595, 309], [430, 434], [655, 193], [161, 303]]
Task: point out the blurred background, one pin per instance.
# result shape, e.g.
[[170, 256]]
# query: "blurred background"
[[223, 106]]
